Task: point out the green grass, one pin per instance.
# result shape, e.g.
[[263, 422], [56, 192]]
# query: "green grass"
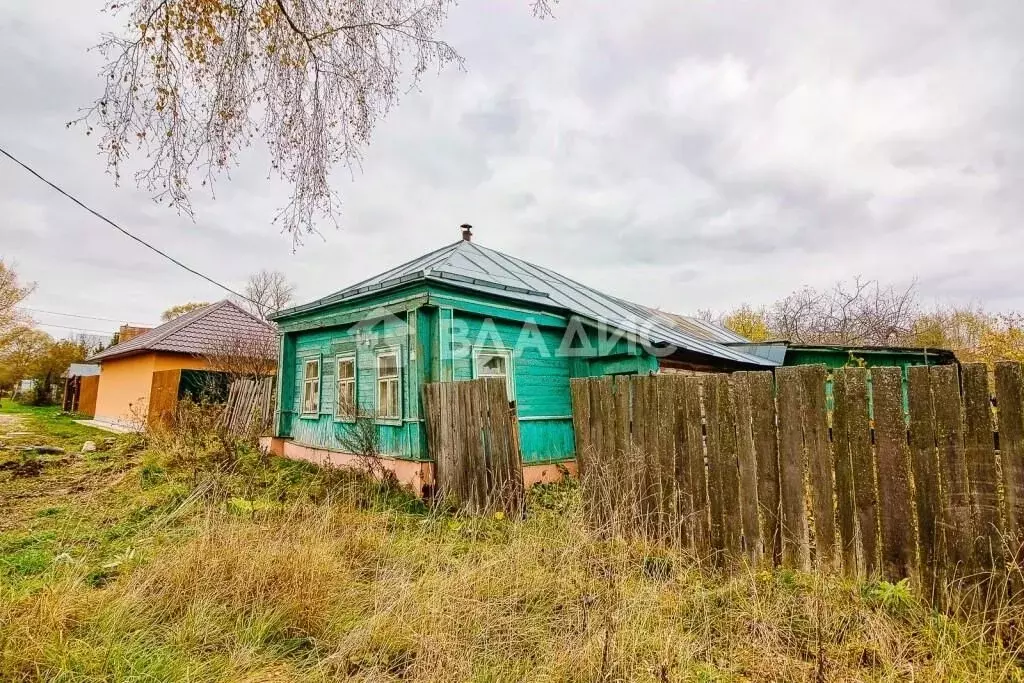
[[55, 427], [157, 564]]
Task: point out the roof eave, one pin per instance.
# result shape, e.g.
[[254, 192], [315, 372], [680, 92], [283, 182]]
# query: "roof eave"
[[356, 295], [103, 356]]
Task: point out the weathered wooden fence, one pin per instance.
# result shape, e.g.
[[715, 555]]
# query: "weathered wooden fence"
[[250, 405], [473, 436], [753, 467]]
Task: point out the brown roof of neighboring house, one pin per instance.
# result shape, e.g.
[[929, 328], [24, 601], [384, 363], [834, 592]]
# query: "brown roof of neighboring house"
[[195, 332]]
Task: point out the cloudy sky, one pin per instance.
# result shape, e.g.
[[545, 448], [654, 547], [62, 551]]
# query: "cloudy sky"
[[681, 153]]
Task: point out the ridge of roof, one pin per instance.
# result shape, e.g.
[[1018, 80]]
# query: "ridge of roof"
[[148, 341], [470, 265]]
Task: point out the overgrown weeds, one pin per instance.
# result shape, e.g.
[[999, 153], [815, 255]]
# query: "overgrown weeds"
[[281, 571]]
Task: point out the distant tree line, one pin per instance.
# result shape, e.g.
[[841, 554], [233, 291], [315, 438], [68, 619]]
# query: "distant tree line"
[[28, 353], [866, 313]]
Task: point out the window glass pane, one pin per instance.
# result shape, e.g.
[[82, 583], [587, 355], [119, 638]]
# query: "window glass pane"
[[388, 399], [346, 398], [346, 368], [387, 365], [489, 365], [310, 396], [393, 403], [312, 368]]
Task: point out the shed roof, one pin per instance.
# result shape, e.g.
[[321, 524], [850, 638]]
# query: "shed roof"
[[81, 370], [470, 266], [195, 332], [778, 350]]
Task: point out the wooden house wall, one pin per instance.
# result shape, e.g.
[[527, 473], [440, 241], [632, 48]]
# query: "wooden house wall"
[[431, 352], [540, 377], [324, 430]]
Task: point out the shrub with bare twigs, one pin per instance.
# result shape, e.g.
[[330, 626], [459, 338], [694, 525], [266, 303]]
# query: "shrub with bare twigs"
[[243, 355]]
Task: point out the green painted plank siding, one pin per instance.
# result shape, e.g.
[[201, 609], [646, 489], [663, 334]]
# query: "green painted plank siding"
[[540, 377], [437, 345], [546, 440], [323, 430], [286, 385], [400, 442]]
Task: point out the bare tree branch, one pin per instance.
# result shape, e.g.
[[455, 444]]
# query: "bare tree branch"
[[191, 83], [267, 291], [244, 355], [860, 312]]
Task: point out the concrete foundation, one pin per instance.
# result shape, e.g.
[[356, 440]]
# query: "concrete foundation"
[[415, 475]]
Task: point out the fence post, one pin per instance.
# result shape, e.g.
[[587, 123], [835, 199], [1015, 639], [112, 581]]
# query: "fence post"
[[894, 493], [723, 476], [668, 519], [795, 541], [753, 546], [766, 446], [845, 405], [979, 450], [1010, 395], [957, 518], [820, 469], [695, 458], [926, 479]]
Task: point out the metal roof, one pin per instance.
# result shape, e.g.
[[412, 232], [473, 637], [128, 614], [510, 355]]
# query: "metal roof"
[[195, 332], [470, 266], [701, 328]]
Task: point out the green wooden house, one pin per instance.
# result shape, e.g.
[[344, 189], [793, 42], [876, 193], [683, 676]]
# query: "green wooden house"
[[460, 312]]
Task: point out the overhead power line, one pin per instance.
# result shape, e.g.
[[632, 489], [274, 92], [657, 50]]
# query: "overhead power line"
[[114, 225], [71, 315], [76, 329]]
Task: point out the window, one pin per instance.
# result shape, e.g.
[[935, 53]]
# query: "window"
[[345, 396], [389, 386], [311, 387], [495, 363]]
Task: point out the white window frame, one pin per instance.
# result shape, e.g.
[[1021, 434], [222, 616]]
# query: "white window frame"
[[395, 351], [510, 375], [306, 379], [354, 380]]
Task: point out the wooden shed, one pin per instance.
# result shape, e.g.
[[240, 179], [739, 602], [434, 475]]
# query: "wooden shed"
[[81, 382]]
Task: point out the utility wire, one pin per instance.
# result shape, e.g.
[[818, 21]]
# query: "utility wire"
[[118, 227], [75, 329], [71, 315]]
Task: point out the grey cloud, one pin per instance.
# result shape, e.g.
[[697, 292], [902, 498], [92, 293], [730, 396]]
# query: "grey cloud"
[[686, 155]]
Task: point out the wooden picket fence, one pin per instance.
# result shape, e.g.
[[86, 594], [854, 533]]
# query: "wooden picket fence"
[[473, 437], [751, 468], [250, 405]]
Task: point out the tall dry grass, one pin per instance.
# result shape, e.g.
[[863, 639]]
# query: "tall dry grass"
[[342, 589], [255, 569]]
